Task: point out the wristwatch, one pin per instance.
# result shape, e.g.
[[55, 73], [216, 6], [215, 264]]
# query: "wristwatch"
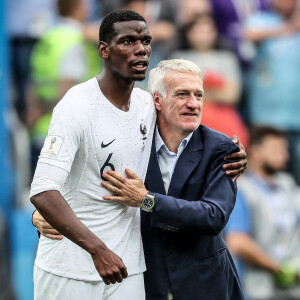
[[148, 202]]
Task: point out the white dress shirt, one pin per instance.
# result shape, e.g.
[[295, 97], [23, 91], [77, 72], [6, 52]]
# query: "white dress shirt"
[[167, 159]]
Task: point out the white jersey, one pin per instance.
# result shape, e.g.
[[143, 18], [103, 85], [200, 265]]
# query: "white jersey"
[[87, 136]]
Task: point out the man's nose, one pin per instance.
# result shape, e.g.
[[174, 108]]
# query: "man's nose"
[[192, 102], [139, 48]]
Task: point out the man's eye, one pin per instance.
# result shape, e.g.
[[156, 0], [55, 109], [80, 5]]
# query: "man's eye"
[[199, 96], [182, 94], [147, 42], [127, 42]]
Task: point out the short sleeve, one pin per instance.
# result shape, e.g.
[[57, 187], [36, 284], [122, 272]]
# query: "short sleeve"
[[47, 178], [64, 134]]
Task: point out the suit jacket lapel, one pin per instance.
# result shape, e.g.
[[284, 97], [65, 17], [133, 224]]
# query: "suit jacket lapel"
[[154, 181], [187, 162]]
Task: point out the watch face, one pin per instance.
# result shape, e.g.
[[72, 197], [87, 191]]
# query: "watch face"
[[148, 203]]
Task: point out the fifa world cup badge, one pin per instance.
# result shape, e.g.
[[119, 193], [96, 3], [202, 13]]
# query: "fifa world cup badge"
[[52, 145], [53, 140]]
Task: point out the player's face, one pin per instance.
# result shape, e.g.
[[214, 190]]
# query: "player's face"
[[130, 50], [181, 110]]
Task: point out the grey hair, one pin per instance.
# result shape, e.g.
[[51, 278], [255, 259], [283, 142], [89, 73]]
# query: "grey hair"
[[157, 74]]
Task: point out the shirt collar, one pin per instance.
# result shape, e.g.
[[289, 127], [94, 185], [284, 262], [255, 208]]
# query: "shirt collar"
[[159, 143]]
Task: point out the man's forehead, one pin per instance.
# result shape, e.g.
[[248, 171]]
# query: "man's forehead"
[[181, 79], [130, 28]]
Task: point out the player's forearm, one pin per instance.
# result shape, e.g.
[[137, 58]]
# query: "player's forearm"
[[56, 211]]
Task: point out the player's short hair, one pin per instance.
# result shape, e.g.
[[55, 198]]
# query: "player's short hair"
[[259, 133], [157, 74], [107, 30]]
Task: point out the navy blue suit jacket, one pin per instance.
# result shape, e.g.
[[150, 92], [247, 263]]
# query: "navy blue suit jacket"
[[182, 237]]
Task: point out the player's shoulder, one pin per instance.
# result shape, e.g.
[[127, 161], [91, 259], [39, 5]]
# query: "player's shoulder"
[[142, 95], [76, 98], [82, 91], [143, 101], [75, 104]]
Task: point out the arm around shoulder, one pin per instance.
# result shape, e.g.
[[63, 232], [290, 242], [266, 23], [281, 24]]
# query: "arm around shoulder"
[[202, 207]]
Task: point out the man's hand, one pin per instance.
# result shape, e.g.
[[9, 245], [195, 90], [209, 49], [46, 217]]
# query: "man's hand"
[[236, 168], [44, 227], [128, 191], [109, 265]]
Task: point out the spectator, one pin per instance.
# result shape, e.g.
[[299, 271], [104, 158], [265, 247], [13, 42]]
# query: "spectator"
[[108, 6], [59, 60], [181, 13], [264, 230], [230, 16], [274, 78], [222, 77], [25, 29], [188, 10]]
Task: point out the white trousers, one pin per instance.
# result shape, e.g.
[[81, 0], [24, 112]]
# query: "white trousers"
[[48, 286]]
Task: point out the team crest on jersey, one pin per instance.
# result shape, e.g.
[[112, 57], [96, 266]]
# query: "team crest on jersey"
[[52, 145], [143, 130]]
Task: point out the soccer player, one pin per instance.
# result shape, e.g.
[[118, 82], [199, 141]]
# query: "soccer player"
[[99, 125]]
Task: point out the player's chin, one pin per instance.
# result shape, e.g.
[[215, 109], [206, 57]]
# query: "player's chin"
[[138, 77]]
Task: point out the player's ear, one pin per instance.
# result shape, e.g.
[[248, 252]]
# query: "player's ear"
[[157, 100], [103, 50]]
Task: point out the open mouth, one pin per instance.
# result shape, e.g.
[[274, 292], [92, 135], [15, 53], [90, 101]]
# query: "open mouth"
[[140, 66]]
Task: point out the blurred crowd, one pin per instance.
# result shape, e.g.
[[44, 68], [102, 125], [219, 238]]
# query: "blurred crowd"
[[249, 52]]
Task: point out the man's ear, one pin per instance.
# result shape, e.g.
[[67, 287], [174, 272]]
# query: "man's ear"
[[103, 50], [157, 100]]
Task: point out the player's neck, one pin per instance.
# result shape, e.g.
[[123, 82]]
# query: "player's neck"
[[117, 91]]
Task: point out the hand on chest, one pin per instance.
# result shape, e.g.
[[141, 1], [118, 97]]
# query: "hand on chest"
[[120, 144]]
